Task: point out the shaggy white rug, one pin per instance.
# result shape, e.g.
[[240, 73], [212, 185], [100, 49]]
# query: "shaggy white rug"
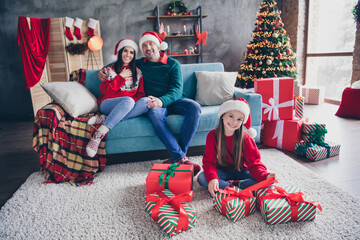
[[114, 208]]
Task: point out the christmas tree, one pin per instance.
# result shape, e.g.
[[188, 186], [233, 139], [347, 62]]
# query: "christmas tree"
[[269, 53]]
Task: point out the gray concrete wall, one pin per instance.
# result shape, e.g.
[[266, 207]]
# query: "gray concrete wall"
[[229, 25]]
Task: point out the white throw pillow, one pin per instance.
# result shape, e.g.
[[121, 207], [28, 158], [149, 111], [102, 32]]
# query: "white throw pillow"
[[356, 85], [73, 97], [214, 88]]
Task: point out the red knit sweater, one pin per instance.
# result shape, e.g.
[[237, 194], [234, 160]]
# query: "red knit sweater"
[[251, 157], [117, 86]]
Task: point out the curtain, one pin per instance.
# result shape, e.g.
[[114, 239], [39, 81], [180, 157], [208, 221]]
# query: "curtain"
[[34, 47]]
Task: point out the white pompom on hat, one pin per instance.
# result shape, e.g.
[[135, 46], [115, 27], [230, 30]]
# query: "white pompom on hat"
[[242, 106], [155, 37], [126, 42]]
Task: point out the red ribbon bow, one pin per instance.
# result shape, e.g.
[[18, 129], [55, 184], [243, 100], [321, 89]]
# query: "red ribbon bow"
[[294, 199], [162, 35], [175, 202], [201, 37]]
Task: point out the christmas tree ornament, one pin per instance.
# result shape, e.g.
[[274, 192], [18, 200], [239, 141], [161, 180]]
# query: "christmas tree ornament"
[[256, 51], [260, 63], [271, 53], [91, 27], [275, 35], [68, 24], [279, 55], [77, 26], [288, 51], [268, 62]]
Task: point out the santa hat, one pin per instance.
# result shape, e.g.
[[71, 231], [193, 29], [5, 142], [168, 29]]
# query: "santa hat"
[[155, 37], [126, 42], [242, 106]]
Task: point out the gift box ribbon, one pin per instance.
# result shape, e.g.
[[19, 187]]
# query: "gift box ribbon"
[[293, 199], [301, 149], [279, 133], [175, 202], [316, 134], [244, 194], [167, 173], [274, 105]]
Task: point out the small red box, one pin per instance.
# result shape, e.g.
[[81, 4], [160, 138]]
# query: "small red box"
[[180, 182], [282, 134], [277, 97]]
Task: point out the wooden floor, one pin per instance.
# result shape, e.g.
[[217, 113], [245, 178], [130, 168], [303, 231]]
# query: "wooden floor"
[[18, 160]]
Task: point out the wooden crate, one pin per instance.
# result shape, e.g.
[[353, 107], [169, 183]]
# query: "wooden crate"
[[60, 63]]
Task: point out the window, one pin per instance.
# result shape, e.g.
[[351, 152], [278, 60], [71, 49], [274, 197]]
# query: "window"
[[330, 44]]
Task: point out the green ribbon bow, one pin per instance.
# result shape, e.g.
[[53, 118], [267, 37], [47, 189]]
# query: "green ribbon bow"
[[167, 173], [316, 135]]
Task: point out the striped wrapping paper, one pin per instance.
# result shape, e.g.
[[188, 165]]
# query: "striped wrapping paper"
[[278, 210], [168, 217], [314, 132], [235, 208], [316, 152]]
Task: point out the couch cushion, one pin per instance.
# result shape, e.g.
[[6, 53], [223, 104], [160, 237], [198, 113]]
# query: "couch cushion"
[[141, 126]]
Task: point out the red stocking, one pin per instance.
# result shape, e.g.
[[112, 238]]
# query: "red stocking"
[[77, 25], [91, 25], [68, 24]]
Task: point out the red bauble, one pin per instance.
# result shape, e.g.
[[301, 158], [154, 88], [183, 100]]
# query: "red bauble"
[[190, 13], [254, 76], [257, 29], [184, 13], [273, 28], [280, 12], [168, 13], [255, 64], [172, 14], [287, 66], [266, 41], [288, 51], [275, 75], [283, 31], [282, 24], [292, 65], [279, 55], [265, 28], [267, 9]]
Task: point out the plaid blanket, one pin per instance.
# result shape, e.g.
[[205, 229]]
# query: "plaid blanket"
[[61, 143]]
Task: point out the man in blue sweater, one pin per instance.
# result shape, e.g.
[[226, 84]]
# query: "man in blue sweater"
[[163, 85]]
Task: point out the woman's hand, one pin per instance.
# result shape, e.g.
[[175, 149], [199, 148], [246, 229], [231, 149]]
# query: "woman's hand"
[[272, 175], [154, 102], [126, 73], [103, 74], [213, 186]]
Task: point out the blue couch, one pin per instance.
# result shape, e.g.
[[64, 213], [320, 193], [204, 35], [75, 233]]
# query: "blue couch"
[[137, 134]]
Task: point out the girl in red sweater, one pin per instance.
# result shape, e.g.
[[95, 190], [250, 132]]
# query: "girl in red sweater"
[[231, 156], [122, 91]]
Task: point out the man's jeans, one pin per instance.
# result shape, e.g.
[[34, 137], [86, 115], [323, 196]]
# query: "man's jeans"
[[122, 108], [191, 111], [246, 180]]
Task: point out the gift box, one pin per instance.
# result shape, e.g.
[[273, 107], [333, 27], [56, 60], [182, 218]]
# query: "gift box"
[[282, 134], [313, 95], [170, 211], [316, 152], [297, 88], [278, 205], [176, 177], [234, 203], [314, 132], [277, 97], [299, 107]]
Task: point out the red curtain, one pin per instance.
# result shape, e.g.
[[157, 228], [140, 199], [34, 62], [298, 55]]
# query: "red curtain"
[[34, 47]]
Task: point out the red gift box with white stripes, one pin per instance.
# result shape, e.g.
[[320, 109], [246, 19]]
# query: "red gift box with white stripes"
[[277, 97]]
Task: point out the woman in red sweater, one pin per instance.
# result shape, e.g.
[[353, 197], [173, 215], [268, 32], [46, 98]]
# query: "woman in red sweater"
[[122, 91], [231, 156]]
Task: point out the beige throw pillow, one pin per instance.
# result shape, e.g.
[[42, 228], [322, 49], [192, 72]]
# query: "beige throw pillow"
[[73, 97], [214, 88]]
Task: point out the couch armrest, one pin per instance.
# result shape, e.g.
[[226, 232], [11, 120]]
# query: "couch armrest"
[[254, 100]]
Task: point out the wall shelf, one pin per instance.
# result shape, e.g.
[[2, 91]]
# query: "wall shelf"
[[177, 16]]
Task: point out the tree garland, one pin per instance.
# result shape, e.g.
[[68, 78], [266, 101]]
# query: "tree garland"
[[177, 4], [76, 48], [356, 13]]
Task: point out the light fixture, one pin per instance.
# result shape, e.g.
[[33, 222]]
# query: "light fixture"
[[95, 43]]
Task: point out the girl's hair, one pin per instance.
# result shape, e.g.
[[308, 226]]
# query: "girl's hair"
[[237, 145], [119, 63]]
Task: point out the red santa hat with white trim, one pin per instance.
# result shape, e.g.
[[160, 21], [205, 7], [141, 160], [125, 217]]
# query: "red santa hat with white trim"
[[126, 42], [155, 37], [242, 106]]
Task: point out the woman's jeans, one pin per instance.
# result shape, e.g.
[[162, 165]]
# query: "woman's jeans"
[[246, 180], [122, 108], [191, 111]]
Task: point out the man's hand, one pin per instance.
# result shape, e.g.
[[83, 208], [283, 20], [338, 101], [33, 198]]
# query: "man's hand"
[[272, 175], [213, 187], [103, 74], [154, 102]]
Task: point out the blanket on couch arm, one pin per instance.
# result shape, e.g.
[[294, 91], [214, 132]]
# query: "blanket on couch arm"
[[61, 143]]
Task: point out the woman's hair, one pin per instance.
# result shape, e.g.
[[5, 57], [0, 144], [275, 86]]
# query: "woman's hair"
[[237, 145], [119, 63]]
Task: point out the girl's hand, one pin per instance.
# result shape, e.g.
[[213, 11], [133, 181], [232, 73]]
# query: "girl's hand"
[[213, 186], [126, 73], [272, 175], [103, 74]]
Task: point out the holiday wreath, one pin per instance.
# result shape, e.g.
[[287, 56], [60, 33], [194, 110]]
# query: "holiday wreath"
[[176, 4]]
